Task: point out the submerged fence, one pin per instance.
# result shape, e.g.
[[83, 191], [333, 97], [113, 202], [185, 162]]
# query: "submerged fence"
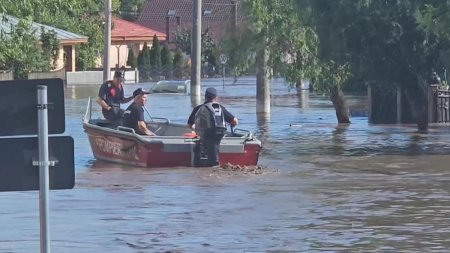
[[439, 99]]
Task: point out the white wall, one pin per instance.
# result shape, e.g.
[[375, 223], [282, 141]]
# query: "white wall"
[[96, 77]]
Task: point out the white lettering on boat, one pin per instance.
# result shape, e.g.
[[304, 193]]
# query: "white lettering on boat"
[[116, 148]]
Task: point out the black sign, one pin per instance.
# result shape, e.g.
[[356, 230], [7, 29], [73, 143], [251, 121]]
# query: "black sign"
[[18, 154], [18, 106]]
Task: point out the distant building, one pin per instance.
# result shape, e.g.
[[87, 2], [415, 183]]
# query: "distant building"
[[176, 15], [67, 40], [127, 35]]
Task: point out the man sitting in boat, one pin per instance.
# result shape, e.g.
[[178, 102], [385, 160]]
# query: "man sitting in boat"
[[133, 116], [209, 122], [110, 96]]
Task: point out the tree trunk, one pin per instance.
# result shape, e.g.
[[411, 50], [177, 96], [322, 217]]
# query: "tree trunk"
[[262, 82], [419, 108], [340, 105]]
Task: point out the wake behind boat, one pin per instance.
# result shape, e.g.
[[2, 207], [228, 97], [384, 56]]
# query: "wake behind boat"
[[173, 146]]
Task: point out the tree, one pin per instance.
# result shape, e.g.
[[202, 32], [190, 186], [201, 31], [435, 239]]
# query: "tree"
[[129, 9], [209, 47], [178, 63], [50, 46], [21, 52], [132, 61], [78, 16], [381, 42], [155, 53], [144, 58], [166, 56]]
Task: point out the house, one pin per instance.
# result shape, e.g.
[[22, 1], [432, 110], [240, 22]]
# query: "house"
[[176, 15], [126, 35], [67, 40]]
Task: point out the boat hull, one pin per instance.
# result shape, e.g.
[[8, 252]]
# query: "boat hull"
[[163, 151]]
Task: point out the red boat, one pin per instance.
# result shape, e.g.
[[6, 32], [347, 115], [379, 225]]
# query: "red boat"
[[173, 146]]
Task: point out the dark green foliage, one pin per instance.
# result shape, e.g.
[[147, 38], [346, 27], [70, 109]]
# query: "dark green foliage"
[[130, 9], [132, 61], [166, 56], [50, 47], [155, 53], [183, 41], [78, 16], [143, 59], [20, 50], [178, 64], [210, 50], [178, 59]]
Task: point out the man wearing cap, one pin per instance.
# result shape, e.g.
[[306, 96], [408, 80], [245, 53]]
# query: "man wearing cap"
[[110, 96], [211, 137], [133, 116]]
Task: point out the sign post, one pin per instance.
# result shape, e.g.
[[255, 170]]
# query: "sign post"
[[223, 60], [19, 157], [43, 168]]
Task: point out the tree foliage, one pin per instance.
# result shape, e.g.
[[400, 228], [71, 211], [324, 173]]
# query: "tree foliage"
[[209, 45], [166, 56], [78, 16], [129, 9], [132, 61], [380, 41], [155, 53], [20, 51], [144, 58]]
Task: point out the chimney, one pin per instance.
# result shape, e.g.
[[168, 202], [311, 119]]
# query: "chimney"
[[234, 13], [178, 21], [167, 30]]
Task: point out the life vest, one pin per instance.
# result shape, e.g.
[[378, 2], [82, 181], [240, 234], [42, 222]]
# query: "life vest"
[[210, 117]]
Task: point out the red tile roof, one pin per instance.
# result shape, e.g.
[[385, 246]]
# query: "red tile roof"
[[123, 30], [218, 14]]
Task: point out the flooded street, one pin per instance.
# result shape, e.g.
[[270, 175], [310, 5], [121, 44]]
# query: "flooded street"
[[325, 188]]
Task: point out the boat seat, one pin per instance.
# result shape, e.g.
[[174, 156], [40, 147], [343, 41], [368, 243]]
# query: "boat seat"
[[105, 123]]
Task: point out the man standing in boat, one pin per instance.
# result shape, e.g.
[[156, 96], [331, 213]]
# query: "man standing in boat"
[[110, 96], [133, 116], [208, 121]]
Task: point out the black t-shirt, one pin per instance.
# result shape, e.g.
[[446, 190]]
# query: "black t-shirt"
[[132, 115], [113, 95], [227, 115]]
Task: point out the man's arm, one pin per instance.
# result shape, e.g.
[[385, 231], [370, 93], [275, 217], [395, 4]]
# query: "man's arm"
[[230, 118], [143, 127], [103, 104], [234, 122], [126, 100], [191, 119]]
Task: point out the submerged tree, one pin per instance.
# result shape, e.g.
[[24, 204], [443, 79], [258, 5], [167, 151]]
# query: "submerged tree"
[[381, 42]]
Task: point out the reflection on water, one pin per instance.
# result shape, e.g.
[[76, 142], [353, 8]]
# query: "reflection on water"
[[338, 188]]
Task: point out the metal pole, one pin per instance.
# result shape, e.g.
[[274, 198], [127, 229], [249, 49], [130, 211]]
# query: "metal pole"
[[223, 76], [107, 41], [196, 50], [43, 169]]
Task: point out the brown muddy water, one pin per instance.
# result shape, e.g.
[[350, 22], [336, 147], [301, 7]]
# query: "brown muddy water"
[[326, 188]]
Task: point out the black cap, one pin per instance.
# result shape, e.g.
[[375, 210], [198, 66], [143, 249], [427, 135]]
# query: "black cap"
[[210, 93], [118, 74], [139, 91]]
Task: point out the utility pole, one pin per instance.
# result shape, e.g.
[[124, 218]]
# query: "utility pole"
[[196, 51], [107, 40]]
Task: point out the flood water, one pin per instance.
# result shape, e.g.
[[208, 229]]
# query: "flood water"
[[325, 188]]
